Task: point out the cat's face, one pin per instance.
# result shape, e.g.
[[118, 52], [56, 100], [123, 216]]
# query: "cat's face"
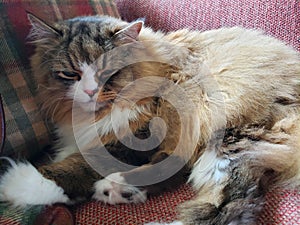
[[73, 62]]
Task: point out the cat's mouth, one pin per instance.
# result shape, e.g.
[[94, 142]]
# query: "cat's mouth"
[[93, 106]]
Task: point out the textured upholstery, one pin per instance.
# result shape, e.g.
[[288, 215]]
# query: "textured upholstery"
[[280, 18]]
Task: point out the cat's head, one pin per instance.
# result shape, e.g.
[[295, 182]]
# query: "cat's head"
[[66, 63]]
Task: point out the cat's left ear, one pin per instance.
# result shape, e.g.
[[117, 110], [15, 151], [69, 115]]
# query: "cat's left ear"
[[40, 30], [130, 33]]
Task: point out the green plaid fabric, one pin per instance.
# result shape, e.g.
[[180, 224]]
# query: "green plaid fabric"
[[27, 133], [13, 216]]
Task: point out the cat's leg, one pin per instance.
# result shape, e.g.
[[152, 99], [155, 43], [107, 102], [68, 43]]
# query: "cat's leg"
[[133, 186], [73, 174], [62, 181], [232, 185], [235, 198], [166, 169]]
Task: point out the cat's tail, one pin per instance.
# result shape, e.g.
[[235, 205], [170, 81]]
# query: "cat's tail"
[[23, 185], [287, 163]]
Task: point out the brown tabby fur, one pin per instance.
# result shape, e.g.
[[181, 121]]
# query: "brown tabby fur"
[[259, 79]]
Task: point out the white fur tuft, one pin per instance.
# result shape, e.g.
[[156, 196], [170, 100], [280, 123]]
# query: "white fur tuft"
[[115, 185], [23, 185], [209, 168]]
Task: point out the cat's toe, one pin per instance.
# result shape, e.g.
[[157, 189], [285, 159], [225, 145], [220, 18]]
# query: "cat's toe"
[[114, 189]]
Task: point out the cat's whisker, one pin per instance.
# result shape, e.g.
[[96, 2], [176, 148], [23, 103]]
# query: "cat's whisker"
[[54, 109], [47, 88], [51, 107], [126, 99], [109, 95]]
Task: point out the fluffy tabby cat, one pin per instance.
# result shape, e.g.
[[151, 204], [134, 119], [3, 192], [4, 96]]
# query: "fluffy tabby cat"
[[257, 78]]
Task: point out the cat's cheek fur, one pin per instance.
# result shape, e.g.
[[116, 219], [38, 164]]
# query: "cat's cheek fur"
[[23, 185], [114, 189]]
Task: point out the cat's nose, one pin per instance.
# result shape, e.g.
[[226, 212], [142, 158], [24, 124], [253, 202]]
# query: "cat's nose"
[[91, 93]]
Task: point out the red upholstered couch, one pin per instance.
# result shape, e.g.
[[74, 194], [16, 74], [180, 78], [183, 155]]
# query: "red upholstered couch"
[[280, 18]]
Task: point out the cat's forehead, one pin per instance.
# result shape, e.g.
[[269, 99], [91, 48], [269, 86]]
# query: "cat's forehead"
[[85, 38], [91, 24]]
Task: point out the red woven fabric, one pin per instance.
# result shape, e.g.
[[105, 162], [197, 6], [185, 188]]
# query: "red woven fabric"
[[280, 18], [160, 208], [282, 208]]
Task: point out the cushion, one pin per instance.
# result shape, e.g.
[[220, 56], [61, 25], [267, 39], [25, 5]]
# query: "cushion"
[[280, 18], [282, 207], [158, 208], [27, 133]]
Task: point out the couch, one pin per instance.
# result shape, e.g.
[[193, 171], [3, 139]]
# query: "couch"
[[28, 135]]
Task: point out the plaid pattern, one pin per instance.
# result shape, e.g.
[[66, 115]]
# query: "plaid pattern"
[[27, 133], [279, 18], [12, 216]]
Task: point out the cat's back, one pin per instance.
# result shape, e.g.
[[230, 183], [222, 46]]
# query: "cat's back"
[[255, 73], [235, 44]]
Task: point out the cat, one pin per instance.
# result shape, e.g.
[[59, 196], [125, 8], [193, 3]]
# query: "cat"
[[228, 102]]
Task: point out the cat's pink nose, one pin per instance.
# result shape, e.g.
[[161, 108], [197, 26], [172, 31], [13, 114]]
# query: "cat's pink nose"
[[91, 93]]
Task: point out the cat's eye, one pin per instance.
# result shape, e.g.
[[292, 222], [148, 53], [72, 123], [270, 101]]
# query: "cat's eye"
[[103, 76], [68, 75]]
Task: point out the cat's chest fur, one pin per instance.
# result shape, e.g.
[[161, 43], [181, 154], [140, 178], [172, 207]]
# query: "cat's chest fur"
[[81, 133]]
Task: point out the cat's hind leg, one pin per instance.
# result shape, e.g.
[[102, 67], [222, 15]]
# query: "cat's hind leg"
[[257, 162]]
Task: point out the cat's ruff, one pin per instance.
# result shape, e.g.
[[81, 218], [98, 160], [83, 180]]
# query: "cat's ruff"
[[23, 185]]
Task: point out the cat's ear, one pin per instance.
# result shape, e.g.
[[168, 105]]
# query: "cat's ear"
[[40, 30], [130, 33]]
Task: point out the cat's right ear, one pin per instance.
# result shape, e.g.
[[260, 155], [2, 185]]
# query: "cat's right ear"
[[40, 30], [130, 33]]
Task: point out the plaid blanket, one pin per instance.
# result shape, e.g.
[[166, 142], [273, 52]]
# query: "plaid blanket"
[[27, 134]]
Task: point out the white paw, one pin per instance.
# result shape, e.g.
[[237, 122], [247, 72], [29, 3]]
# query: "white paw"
[[23, 185], [114, 189]]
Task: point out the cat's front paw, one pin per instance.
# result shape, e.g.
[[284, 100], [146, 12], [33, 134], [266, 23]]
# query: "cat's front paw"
[[114, 189]]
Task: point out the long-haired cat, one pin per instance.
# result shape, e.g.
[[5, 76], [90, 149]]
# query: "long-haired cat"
[[227, 99]]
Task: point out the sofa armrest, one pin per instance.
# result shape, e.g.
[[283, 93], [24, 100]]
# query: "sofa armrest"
[[2, 126]]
